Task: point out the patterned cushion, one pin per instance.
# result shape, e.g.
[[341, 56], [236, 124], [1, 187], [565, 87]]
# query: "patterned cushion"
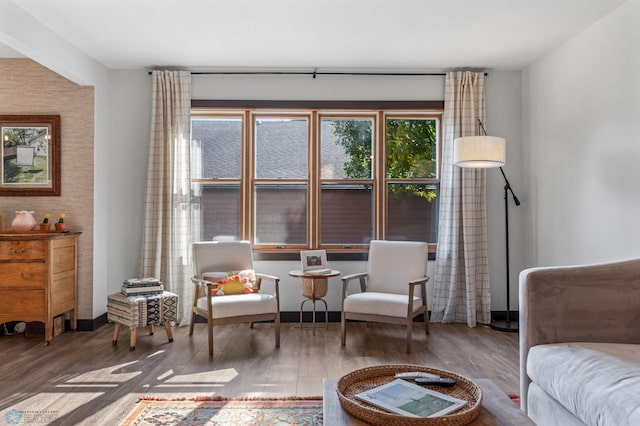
[[233, 282], [139, 311]]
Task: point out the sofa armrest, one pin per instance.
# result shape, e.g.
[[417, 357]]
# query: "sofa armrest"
[[584, 303]]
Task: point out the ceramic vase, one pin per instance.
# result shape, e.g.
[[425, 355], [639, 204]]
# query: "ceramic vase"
[[24, 221]]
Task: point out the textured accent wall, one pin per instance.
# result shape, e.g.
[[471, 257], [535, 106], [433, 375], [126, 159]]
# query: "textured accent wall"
[[26, 88]]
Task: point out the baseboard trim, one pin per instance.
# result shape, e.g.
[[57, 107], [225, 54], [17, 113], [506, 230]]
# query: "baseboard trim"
[[285, 317], [88, 324]]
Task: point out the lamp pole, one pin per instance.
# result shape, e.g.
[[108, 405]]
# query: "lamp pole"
[[506, 325]]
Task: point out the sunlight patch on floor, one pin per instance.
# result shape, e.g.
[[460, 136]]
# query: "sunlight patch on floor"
[[116, 373]]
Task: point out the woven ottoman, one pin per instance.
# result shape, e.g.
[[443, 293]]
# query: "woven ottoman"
[[141, 311]]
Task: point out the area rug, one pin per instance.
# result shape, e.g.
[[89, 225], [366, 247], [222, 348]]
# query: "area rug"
[[227, 412], [515, 398]]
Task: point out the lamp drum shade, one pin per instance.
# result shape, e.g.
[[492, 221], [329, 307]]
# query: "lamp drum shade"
[[479, 151]]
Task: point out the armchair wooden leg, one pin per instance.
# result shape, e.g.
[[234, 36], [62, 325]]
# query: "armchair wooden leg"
[[277, 332], [426, 323], [409, 334], [193, 321], [210, 335], [343, 329]]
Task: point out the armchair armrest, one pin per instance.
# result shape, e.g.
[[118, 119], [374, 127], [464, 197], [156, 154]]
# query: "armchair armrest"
[[266, 277], [348, 278], [199, 281], [422, 282], [584, 303], [200, 288], [276, 284]]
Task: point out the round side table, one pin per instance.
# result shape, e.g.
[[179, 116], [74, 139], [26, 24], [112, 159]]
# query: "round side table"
[[314, 288]]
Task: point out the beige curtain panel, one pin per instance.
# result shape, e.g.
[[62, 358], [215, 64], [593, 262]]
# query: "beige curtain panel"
[[166, 242], [461, 291]]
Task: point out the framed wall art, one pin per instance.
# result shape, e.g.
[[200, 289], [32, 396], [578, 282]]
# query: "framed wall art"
[[30, 155]]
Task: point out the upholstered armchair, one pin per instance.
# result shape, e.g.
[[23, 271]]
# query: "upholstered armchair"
[[227, 290], [580, 343], [393, 290]]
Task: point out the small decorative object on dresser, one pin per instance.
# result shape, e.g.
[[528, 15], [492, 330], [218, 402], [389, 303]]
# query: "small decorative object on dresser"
[[45, 226], [60, 225], [24, 221]]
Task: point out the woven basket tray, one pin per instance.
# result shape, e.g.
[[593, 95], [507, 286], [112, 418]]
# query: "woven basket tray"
[[370, 377]]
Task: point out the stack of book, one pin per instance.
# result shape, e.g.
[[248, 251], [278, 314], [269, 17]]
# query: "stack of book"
[[142, 287]]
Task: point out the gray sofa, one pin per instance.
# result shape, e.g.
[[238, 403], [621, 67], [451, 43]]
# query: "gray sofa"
[[580, 344]]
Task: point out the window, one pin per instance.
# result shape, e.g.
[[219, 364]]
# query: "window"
[[293, 179], [346, 180], [280, 180]]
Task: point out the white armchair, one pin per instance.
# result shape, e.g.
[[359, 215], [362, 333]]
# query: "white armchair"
[[215, 257], [388, 291]]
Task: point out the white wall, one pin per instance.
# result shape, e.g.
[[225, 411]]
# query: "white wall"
[[121, 172], [583, 138], [504, 118], [324, 87]]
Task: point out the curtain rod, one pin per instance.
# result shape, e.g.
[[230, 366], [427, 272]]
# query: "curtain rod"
[[317, 73]]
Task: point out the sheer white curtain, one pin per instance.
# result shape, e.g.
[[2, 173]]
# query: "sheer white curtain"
[[166, 241], [461, 291]]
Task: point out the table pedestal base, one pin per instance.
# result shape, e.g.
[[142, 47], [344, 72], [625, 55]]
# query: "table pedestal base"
[[326, 314]]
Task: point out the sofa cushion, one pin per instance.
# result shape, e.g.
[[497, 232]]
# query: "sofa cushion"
[[544, 410], [598, 382]]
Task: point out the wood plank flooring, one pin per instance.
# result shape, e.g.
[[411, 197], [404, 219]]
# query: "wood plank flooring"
[[81, 379]]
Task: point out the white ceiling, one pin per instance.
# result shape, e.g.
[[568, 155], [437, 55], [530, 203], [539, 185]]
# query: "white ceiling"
[[323, 34]]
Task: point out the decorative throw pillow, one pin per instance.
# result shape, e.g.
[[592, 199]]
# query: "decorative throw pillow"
[[233, 282], [231, 285]]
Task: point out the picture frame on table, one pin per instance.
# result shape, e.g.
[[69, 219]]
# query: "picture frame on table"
[[313, 260], [30, 146]]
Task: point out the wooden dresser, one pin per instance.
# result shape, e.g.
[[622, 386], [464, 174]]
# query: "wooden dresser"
[[39, 277]]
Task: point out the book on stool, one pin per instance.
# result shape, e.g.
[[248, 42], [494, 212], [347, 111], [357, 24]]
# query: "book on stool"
[[142, 286]]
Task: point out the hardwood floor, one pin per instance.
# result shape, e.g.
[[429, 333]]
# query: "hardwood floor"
[[82, 379]]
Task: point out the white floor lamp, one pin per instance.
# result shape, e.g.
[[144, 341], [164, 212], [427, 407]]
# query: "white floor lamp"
[[487, 152]]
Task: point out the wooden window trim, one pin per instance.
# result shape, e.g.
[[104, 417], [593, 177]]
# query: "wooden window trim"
[[315, 110]]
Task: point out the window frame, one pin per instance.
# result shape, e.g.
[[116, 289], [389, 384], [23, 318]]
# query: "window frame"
[[315, 111]]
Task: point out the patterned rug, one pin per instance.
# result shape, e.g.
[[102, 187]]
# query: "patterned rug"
[[227, 412], [515, 398]]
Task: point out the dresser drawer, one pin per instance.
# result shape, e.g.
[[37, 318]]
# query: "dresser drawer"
[[28, 274], [22, 302], [22, 250]]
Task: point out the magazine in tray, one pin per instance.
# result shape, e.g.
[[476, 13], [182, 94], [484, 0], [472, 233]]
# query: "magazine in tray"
[[402, 397]]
